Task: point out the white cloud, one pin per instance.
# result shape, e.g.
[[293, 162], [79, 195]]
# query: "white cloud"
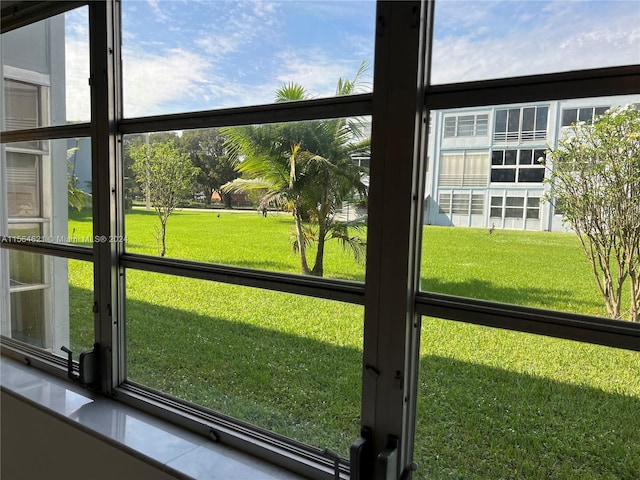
[[159, 14], [564, 37], [151, 80], [77, 81], [77, 65], [314, 69]]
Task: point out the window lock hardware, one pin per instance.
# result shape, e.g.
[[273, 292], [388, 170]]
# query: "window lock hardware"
[[360, 456], [387, 461], [88, 366], [336, 462], [371, 369], [408, 470]]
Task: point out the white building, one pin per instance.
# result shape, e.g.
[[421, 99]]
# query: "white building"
[[483, 168], [34, 292]]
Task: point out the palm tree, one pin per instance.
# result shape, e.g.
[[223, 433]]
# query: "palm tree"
[[306, 168]]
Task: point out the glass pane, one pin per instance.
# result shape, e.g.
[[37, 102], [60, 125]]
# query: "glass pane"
[[49, 301], [510, 157], [533, 213], [48, 191], [526, 157], [503, 175], [500, 404], [539, 156], [286, 363], [46, 72], [513, 122], [535, 175], [542, 114], [250, 196], [237, 53], [514, 201], [569, 116], [480, 40], [528, 115], [585, 115], [501, 121], [531, 257]]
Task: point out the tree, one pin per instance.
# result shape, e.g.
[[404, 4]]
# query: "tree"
[[306, 168], [167, 176], [207, 152], [596, 180], [129, 143]]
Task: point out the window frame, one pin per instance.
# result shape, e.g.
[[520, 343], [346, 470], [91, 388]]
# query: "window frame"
[[517, 166], [393, 301], [479, 125], [519, 134]]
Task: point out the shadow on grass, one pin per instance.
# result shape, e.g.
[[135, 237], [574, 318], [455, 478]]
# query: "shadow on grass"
[[479, 422], [553, 298], [474, 421], [296, 386]]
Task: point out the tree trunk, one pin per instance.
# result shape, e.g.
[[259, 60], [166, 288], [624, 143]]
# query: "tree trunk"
[[208, 192], [163, 236], [318, 266], [226, 198], [302, 247], [634, 301]]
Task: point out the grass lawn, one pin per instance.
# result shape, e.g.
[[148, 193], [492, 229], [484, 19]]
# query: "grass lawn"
[[492, 403]]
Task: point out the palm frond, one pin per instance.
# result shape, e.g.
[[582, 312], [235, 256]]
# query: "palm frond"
[[357, 245], [243, 185], [290, 92]]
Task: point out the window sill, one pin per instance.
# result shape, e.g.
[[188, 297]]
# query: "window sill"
[[176, 451]]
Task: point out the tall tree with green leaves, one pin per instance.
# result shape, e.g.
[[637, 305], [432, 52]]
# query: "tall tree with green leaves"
[[595, 177], [207, 152], [306, 168], [167, 175]]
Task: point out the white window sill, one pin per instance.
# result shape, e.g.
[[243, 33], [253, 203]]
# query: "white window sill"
[[150, 439]]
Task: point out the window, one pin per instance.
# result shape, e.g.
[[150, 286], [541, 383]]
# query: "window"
[[517, 166], [477, 204], [496, 207], [235, 54], [227, 331], [22, 103], [23, 185], [515, 207], [466, 125], [463, 169], [444, 203], [584, 114], [460, 203], [524, 124], [533, 207], [45, 184]]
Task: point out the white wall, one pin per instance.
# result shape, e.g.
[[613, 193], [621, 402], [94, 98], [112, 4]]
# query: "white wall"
[[35, 445]]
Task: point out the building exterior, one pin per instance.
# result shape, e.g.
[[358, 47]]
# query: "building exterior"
[[484, 163], [34, 292]]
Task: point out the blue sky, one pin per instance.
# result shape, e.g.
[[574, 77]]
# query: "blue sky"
[[186, 55]]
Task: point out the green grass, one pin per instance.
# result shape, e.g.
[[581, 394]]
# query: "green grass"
[[492, 403]]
